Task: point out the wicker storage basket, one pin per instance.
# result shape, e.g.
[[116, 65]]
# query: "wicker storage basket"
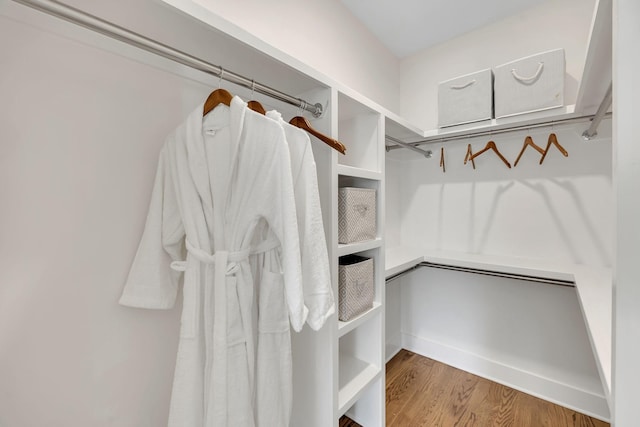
[[355, 286], [356, 214]]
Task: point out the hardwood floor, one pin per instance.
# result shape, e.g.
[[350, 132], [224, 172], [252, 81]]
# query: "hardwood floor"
[[423, 392]]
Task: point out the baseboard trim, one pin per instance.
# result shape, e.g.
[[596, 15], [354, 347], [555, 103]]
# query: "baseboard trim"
[[562, 394]]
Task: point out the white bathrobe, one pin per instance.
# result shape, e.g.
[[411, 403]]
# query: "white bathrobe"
[[273, 368], [316, 276], [217, 179]]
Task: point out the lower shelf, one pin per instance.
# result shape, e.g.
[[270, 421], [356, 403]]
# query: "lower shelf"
[[355, 376], [346, 327], [593, 286]]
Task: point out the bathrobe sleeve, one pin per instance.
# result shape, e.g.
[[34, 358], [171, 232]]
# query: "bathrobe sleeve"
[[279, 209], [151, 282], [316, 277]]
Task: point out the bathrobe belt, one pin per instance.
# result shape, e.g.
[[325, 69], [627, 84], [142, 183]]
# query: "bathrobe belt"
[[225, 264], [233, 258]]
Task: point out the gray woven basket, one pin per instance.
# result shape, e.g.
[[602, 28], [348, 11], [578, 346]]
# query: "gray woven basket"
[[356, 214], [355, 286]]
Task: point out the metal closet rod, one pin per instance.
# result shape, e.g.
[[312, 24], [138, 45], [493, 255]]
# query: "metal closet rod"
[[78, 17], [428, 153], [434, 140], [524, 277]]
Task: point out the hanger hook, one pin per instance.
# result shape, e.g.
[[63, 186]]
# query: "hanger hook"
[[302, 105], [253, 87], [220, 77]]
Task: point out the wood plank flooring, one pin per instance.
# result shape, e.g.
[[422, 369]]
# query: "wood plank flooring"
[[423, 392]]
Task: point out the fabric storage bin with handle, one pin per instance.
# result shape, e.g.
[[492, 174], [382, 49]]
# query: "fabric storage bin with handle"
[[355, 286], [530, 84], [466, 99], [356, 214]]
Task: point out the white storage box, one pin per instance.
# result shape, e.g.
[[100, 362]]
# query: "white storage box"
[[466, 99], [355, 286], [356, 214], [530, 84]]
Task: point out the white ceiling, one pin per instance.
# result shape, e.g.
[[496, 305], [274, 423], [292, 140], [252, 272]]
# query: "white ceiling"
[[408, 26]]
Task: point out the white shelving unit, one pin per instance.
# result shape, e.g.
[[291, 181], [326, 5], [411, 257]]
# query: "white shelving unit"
[[360, 341]]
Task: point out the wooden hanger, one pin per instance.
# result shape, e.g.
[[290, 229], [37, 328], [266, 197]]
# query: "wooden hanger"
[[253, 104], [528, 141], [303, 123], [257, 107], [442, 160], [553, 140], [469, 156], [222, 96], [217, 97], [491, 146]]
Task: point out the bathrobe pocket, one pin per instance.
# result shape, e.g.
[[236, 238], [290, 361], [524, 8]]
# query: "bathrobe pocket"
[[273, 314]]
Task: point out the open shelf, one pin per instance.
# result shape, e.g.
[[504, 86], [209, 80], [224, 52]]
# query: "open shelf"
[[400, 259], [360, 382], [354, 172], [355, 376], [352, 248], [527, 119], [398, 127], [346, 327]]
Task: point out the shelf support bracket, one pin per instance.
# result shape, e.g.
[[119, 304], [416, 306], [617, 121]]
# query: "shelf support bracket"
[[428, 153], [597, 118]]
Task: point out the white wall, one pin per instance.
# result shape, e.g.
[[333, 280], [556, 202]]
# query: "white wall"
[[81, 124], [551, 25], [527, 335], [80, 131], [325, 35], [560, 210], [626, 349]]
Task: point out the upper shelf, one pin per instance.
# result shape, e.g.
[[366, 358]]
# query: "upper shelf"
[[399, 128], [355, 172], [529, 119], [596, 78]]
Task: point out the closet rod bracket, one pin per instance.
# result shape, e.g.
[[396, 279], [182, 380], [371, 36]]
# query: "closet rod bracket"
[[317, 113], [597, 118]]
